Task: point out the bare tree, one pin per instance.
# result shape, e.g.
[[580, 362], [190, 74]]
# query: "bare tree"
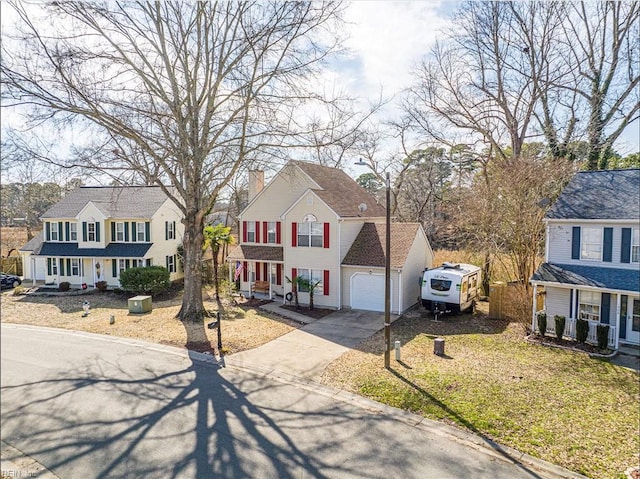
[[180, 94], [601, 42]]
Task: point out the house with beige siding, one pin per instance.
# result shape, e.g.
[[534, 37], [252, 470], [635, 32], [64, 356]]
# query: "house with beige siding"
[[95, 233], [316, 222], [592, 258]]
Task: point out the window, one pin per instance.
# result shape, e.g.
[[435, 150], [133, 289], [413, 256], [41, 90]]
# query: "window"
[[171, 264], [54, 232], [310, 234], [251, 231], [73, 232], [314, 276], [171, 231], [122, 266], [54, 266], [140, 232], [119, 232], [591, 247], [589, 306], [91, 232], [635, 246], [271, 232], [440, 284], [75, 267]]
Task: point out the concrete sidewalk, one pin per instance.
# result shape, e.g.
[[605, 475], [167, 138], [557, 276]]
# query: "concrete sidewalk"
[[306, 352]]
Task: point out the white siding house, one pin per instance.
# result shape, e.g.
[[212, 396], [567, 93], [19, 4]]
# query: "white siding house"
[[592, 260], [95, 233], [318, 223]]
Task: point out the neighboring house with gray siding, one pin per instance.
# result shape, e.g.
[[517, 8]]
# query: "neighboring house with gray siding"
[[316, 222], [95, 233], [592, 258]]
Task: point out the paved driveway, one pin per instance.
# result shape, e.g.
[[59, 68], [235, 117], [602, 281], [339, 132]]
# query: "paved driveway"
[[307, 351]]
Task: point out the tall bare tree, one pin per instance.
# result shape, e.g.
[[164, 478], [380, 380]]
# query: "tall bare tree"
[[180, 94]]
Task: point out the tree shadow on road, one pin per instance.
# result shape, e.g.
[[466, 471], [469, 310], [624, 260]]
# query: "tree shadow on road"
[[182, 418]]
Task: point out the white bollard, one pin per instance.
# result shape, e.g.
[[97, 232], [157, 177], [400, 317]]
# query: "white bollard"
[[397, 350]]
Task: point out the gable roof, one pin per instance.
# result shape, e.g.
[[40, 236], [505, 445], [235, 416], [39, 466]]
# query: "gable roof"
[[113, 202], [34, 243], [368, 247], [594, 276], [601, 195], [340, 192]]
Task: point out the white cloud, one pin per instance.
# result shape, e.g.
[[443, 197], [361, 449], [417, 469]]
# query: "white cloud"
[[387, 39]]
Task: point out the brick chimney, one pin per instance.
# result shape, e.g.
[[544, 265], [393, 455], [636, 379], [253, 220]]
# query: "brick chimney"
[[256, 183]]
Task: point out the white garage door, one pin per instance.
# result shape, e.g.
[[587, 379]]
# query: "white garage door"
[[367, 291]]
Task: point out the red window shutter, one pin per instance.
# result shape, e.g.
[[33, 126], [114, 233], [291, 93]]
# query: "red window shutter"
[[326, 235], [265, 232], [244, 233], [265, 271], [325, 283], [294, 274], [245, 271], [257, 232], [257, 271], [278, 233], [294, 234], [278, 274]]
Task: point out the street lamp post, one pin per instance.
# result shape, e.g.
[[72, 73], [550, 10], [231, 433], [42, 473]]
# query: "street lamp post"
[[387, 279], [387, 271]]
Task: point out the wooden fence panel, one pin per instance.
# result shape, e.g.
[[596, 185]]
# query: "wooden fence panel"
[[11, 265]]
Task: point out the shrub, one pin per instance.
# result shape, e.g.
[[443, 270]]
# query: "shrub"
[[582, 330], [147, 280], [542, 323], [602, 333], [101, 286], [64, 286], [560, 321]]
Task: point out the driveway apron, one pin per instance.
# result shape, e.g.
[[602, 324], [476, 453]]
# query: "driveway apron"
[[307, 351]]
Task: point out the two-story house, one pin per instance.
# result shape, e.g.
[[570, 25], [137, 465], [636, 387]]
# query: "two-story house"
[[316, 222], [592, 258], [95, 233]]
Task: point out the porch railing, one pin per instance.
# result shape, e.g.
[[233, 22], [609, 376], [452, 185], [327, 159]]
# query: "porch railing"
[[570, 330]]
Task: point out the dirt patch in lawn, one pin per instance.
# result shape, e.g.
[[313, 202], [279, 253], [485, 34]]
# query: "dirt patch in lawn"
[[243, 325]]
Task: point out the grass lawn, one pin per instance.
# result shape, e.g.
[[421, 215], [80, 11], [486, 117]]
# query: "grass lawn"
[[560, 406], [242, 326]]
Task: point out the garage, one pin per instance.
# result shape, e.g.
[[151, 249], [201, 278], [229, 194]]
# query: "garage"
[[367, 291]]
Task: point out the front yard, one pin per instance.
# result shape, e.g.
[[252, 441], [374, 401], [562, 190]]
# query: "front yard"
[[242, 326], [561, 406]]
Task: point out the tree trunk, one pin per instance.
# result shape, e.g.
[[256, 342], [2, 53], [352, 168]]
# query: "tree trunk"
[[486, 273], [216, 281], [192, 305]]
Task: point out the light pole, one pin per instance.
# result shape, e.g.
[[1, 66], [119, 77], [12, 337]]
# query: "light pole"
[[387, 270]]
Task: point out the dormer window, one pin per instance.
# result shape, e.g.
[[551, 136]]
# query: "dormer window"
[[91, 232]]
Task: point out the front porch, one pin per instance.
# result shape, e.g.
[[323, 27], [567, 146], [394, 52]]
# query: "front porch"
[[570, 330]]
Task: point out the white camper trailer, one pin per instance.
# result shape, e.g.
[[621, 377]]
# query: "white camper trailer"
[[450, 287]]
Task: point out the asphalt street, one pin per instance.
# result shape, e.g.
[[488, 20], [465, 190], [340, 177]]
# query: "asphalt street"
[[94, 406]]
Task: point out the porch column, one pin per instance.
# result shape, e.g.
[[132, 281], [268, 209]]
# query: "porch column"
[[93, 269], [269, 277], [618, 307], [33, 269]]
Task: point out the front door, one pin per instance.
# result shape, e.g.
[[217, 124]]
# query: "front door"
[[633, 321]]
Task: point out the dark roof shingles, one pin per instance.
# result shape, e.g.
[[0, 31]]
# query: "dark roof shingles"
[[594, 276], [256, 253], [112, 250], [602, 195]]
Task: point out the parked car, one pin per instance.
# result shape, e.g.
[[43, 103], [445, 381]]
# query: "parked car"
[[9, 280]]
